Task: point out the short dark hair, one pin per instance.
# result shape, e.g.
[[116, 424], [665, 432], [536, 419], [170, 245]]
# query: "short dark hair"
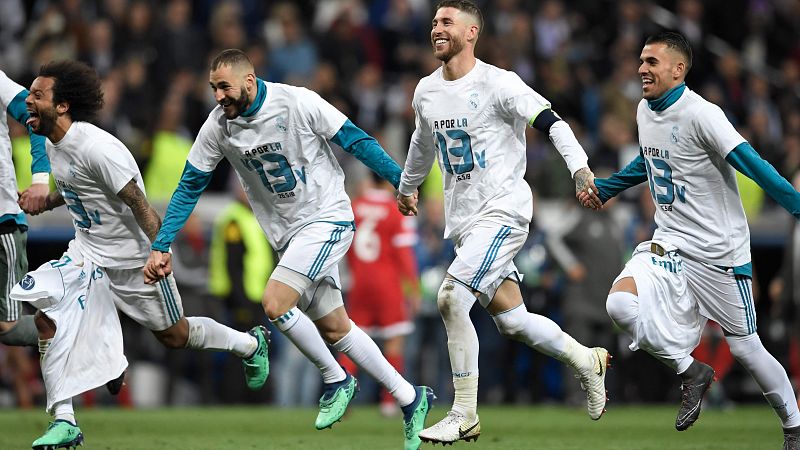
[[231, 57], [675, 41], [76, 84], [466, 6]]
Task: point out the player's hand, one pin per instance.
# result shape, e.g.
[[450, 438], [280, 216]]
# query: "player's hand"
[[407, 204], [158, 266], [34, 199], [585, 190]]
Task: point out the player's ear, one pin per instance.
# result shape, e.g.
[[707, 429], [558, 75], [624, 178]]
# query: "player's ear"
[[679, 71], [62, 107]]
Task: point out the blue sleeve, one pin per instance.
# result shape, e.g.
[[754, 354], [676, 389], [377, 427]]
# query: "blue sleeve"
[[634, 173], [193, 182], [364, 147], [17, 110], [746, 160]]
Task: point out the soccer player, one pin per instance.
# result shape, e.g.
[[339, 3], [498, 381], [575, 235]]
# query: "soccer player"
[[382, 259], [79, 331], [473, 116], [697, 265], [276, 138], [16, 329]]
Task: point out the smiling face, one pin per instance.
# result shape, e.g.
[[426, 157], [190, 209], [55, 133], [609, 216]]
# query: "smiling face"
[[661, 69], [232, 89], [39, 103], [450, 31]]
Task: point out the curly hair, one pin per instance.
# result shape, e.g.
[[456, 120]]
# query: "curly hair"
[[76, 84]]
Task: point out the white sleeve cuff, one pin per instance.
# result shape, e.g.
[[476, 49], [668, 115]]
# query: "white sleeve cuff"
[[40, 178]]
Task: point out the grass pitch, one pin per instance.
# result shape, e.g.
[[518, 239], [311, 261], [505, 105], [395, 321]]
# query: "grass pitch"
[[536, 427]]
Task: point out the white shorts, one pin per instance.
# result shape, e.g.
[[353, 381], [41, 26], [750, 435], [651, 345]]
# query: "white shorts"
[[723, 296], [154, 306], [669, 323], [314, 252], [485, 257], [86, 351]]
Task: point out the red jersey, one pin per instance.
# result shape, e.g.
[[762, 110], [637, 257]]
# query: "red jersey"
[[381, 255]]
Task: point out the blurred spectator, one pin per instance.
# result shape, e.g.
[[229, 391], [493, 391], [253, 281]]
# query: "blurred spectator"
[[293, 57]]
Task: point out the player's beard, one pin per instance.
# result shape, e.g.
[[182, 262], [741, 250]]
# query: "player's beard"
[[47, 121], [239, 105], [453, 48]]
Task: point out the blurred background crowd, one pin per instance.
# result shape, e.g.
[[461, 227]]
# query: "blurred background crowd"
[[365, 57]]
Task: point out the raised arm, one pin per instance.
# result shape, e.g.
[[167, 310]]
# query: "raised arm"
[[33, 199], [147, 217], [746, 160]]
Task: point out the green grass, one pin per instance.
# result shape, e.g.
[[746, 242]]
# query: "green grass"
[[637, 427]]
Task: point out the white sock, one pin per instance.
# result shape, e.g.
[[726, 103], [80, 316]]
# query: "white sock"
[[466, 396], [63, 411], [208, 334], [623, 308], [362, 350], [455, 301], [768, 374], [533, 330], [304, 335]]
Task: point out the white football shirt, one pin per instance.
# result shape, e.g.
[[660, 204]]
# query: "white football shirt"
[[283, 159], [90, 167], [698, 208], [475, 127], [8, 178]]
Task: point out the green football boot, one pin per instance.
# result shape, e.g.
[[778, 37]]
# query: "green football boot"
[[60, 434], [334, 401], [256, 367], [414, 416]]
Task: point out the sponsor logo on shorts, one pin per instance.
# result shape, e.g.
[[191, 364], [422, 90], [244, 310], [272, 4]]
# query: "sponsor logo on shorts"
[[27, 283]]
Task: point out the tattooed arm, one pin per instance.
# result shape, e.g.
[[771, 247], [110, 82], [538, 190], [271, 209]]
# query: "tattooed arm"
[[584, 184], [147, 217]]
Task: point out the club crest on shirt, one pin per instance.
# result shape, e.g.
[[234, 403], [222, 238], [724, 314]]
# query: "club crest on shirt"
[[280, 124], [27, 283], [473, 100], [674, 136]]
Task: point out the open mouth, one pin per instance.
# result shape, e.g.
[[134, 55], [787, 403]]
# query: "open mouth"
[[33, 120], [440, 42]]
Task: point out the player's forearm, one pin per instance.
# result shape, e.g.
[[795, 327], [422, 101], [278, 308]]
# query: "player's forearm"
[[418, 164], [567, 144], [364, 147], [53, 200], [746, 160], [147, 217], [192, 184], [17, 110], [633, 174]]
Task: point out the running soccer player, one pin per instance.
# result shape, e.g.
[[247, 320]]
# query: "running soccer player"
[[276, 138], [80, 338], [17, 329], [473, 116], [697, 265]]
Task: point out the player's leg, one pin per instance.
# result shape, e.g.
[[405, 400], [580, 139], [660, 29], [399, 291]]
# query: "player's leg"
[[652, 290], [346, 337], [727, 298], [393, 348], [15, 328], [544, 335]]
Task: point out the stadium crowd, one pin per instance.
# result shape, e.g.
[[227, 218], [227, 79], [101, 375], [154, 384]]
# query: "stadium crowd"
[[365, 57]]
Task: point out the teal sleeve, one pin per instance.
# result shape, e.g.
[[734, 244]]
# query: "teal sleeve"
[[634, 173], [364, 147], [746, 160], [193, 182], [19, 112]]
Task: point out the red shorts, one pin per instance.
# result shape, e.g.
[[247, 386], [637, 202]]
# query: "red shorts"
[[380, 313]]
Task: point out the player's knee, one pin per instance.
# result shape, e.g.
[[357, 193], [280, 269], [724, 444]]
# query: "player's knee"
[[742, 346], [511, 324], [447, 299], [622, 307], [173, 337]]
